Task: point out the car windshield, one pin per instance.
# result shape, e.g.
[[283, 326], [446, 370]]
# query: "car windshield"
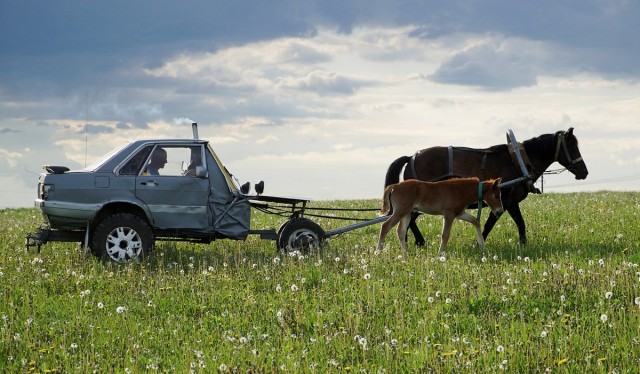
[[102, 160]]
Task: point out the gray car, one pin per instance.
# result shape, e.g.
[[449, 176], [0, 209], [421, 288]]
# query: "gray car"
[[157, 189]]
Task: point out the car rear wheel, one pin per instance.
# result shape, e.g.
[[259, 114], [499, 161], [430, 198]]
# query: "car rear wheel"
[[122, 237]]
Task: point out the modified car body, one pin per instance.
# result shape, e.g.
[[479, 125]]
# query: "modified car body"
[[156, 189]]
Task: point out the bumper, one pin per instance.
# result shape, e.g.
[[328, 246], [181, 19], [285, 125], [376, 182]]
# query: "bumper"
[[65, 215]]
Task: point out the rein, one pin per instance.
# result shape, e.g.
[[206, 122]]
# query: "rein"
[[479, 200]]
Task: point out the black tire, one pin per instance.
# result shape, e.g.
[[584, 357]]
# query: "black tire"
[[300, 234], [122, 237]]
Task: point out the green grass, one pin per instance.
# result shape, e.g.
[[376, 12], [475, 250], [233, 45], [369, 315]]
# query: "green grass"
[[568, 301]]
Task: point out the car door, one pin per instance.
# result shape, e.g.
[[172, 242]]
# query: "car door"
[[176, 198]]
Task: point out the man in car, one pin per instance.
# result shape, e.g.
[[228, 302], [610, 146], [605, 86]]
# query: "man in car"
[[158, 160]]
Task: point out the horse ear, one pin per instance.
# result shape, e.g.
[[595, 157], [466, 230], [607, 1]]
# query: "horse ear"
[[570, 131]]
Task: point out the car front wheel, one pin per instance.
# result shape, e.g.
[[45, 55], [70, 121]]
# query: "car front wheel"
[[122, 237]]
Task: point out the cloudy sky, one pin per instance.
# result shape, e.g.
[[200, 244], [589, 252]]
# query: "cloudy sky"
[[317, 97]]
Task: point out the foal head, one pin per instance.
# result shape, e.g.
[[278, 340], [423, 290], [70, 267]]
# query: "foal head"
[[491, 195]]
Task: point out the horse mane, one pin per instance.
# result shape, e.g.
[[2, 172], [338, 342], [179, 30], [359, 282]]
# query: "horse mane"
[[542, 144]]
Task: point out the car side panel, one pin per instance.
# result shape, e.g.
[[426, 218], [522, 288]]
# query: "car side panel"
[[175, 202]]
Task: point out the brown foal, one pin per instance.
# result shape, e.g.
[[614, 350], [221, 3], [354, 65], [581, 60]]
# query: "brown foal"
[[448, 198]]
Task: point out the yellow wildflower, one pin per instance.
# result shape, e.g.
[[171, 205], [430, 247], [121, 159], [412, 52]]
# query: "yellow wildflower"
[[563, 361]]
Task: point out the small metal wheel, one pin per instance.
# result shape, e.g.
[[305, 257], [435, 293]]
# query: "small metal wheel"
[[122, 237], [300, 234]]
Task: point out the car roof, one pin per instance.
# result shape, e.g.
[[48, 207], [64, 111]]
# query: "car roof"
[[172, 140]]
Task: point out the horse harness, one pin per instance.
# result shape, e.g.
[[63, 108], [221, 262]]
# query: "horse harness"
[[521, 160], [563, 143], [451, 173], [518, 155]]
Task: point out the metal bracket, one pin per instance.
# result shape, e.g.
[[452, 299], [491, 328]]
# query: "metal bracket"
[[86, 240], [512, 139]]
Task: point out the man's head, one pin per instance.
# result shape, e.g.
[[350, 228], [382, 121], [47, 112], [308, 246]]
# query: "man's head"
[[159, 158]]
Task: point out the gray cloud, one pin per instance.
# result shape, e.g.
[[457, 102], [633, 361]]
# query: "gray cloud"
[[492, 66], [6, 130], [324, 83], [96, 129], [55, 51]]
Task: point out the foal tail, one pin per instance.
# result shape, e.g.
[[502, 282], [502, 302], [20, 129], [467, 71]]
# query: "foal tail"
[[393, 172], [386, 201]]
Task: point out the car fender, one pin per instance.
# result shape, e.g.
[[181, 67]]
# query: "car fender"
[[134, 206]]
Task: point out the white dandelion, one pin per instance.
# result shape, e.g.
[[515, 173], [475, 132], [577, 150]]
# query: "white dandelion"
[[608, 295]]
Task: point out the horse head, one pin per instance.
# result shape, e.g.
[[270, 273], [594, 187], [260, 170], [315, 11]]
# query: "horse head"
[[568, 154], [493, 196]]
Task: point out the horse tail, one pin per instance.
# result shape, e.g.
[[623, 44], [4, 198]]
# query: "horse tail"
[[386, 201], [393, 172]]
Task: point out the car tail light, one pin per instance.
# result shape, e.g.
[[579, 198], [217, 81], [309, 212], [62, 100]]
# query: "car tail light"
[[44, 190]]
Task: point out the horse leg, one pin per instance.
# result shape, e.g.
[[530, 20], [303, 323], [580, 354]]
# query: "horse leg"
[[402, 231], [514, 212], [488, 226], [386, 227], [447, 221], [420, 242], [476, 224]]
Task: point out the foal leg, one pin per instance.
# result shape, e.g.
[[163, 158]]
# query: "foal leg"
[[402, 231], [474, 221], [386, 226], [447, 221]]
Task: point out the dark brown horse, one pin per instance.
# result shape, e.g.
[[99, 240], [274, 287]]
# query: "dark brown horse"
[[438, 163]]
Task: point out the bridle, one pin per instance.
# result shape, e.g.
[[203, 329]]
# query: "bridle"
[[562, 142]]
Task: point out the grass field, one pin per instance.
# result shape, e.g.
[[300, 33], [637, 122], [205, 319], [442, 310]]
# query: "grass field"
[[569, 301]]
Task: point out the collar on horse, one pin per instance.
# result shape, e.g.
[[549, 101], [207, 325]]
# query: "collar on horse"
[[521, 160]]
